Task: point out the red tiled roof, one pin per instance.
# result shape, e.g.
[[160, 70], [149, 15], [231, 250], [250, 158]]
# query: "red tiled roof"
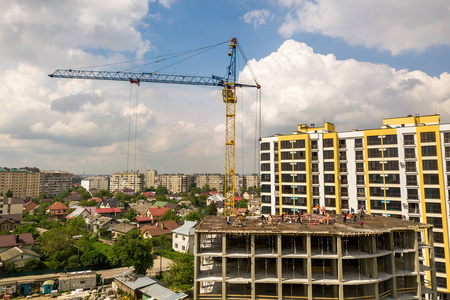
[[156, 230], [108, 210], [58, 206], [10, 240], [143, 219], [157, 211], [238, 198], [148, 194], [46, 200]]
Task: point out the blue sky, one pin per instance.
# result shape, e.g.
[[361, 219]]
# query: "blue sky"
[[346, 62]]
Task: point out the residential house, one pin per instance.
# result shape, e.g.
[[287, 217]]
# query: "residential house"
[[253, 205], [173, 196], [217, 197], [23, 240], [74, 196], [250, 195], [140, 206], [174, 206], [18, 256], [112, 212], [80, 211], [120, 229], [30, 206], [155, 213], [58, 211], [148, 194], [142, 287], [95, 222], [46, 200], [142, 221], [183, 237], [163, 227], [8, 224], [159, 203], [240, 211], [111, 202]]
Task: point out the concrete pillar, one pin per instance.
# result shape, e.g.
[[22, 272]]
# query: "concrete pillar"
[[374, 265], [339, 267], [253, 266], [432, 262], [309, 266], [196, 265], [417, 266], [279, 268], [224, 266], [390, 245]]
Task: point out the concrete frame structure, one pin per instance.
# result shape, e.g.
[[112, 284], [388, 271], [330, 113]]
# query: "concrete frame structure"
[[379, 260], [400, 169]]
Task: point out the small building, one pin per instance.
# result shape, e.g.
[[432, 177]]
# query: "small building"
[[77, 280], [79, 211], [158, 292], [47, 287], [58, 211], [24, 288], [155, 213], [160, 228], [8, 288], [142, 221], [18, 256], [112, 212], [120, 229], [111, 202], [24, 240], [8, 224], [183, 237]]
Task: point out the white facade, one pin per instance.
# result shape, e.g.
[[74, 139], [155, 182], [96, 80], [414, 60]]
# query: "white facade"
[[95, 183], [183, 237]]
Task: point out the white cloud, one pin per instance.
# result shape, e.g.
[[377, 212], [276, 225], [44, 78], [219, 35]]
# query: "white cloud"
[[167, 3], [258, 17], [300, 86], [394, 26]]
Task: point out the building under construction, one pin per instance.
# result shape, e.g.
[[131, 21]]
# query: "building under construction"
[[374, 258]]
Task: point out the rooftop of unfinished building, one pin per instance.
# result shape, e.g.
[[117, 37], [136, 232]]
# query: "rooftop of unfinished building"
[[370, 225]]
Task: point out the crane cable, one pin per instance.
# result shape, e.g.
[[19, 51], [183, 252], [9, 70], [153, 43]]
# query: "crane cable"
[[130, 115]]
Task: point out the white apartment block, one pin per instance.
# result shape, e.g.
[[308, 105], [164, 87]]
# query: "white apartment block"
[[401, 169], [150, 178], [126, 180], [95, 183]]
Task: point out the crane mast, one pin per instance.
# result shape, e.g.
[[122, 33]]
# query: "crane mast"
[[228, 83]]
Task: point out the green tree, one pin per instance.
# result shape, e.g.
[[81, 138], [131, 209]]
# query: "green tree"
[[149, 189], [132, 249], [170, 215], [85, 195], [27, 228], [93, 258], [161, 190], [242, 203], [8, 267], [103, 193], [34, 264], [211, 209], [194, 216], [206, 189], [130, 214], [9, 193], [180, 277]]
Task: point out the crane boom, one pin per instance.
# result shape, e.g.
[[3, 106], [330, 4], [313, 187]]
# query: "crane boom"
[[228, 84]]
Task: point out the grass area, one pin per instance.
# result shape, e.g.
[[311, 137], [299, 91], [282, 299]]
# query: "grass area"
[[170, 254], [104, 249]]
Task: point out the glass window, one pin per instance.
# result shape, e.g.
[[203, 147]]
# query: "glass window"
[[359, 167], [314, 145], [373, 152], [411, 180], [428, 137], [413, 194], [432, 193], [375, 166], [328, 154], [391, 165], [329, 178], [429, 151], [329, 190], [373, 140], [408, 139], [265, 146], [265, 156], [433, 208], [358, 143], [265, 167], [299, 144], [327, 143], [328, 166], [411, 166], [330, 202], [359, 155], [431, 178], [360, 179], [391, 152], [446, 137], [410, 153], [430, 164], [390, 139]]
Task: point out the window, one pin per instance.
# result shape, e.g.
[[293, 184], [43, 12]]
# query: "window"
[[429, 151], [329, 178], [431, 178], [330, 202], [176, 245], [183, 248], [358, 143], [438, 237], [265, 199], [428, 137], [413, 194], [373, 152], [299, 144], [265, 188], [286, 144], [275, 146], [265, 156], [408, 139], [391, 152], [315, 179], [343, 167], [440, 267], [430, 164], [344, 179], [391, 165], [411, 180], [359, 155], [446, 137], [315, 191], [329, 190], [360, 192], [433, 208], [315, 168], [344, 191], [411, 166], [328, 154], [314, 145], [360, 179], [390, 139], [410, 153], [432, 193], [265, 167], [359, 167], [375, 178], [373, 140], [176, 235], [437, 222], [184, 238], [327, 143], [265, 177], [265, 146], [328, 166], [375, 166], [342, 144]]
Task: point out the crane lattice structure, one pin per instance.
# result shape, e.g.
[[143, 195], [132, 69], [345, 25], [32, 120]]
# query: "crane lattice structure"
[[228, 84]]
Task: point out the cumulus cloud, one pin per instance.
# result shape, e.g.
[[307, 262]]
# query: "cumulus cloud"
[[300, 86], [394, 26], [258, 17]]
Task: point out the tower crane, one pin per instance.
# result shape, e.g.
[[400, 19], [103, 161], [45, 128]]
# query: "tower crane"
[[228, 84]]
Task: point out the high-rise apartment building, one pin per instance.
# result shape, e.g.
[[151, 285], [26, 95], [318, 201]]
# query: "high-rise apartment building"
[[22, 182], [126, 180], [175, 183], [213, 180], [150, 178], [55, 182], [95, 183], [401, 169]]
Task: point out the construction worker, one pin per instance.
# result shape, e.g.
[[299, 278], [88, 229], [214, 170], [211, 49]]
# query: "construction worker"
[[323, 210], [317, 209]]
